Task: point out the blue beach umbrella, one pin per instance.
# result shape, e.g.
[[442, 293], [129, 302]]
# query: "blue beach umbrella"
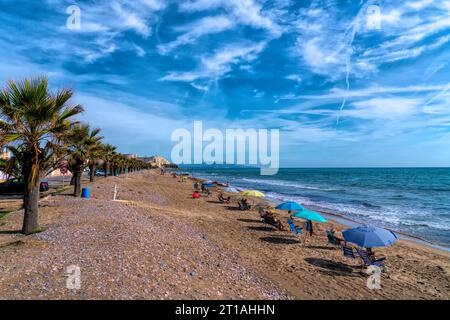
[[370, 236], [309, 215], [289, 206], [207, 185]]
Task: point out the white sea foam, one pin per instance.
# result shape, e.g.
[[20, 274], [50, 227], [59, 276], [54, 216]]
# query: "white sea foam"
[[282, 183]]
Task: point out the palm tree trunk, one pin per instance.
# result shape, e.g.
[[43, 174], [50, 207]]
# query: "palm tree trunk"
[[91, 172], [31, 206], [30, 198], [78, 175]]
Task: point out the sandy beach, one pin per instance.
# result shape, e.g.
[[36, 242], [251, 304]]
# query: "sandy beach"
[[156, 242]]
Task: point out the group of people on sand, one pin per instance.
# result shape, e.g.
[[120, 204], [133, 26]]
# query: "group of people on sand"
[[204, 190], [269, 217]]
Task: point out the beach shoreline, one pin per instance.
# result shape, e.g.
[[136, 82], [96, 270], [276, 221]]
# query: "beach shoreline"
[[157, 242], [345, 220]]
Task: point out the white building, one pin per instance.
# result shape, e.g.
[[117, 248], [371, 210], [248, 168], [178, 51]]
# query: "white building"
[[4, 155]]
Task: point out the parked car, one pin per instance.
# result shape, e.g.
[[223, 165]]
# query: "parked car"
[[15, 186], [99, 173]]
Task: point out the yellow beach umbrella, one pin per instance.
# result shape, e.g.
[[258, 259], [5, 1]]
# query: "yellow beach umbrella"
[[252, 193]]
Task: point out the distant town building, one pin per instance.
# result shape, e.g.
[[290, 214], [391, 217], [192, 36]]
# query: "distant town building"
[[157, 162], [131, 156], [4, 155]]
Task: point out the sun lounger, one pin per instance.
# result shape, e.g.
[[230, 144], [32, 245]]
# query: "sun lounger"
[[348, 252], [368, 262], [293, 227]]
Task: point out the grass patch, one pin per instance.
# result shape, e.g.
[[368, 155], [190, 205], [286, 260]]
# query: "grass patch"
[[38, 230], [3, 214]]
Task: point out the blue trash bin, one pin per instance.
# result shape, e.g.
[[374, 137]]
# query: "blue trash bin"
[[86, 193]]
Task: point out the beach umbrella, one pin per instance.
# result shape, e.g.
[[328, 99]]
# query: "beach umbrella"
[[370, 236], [208, 185], [289, 206], [265, 204], [309, 215], [252, 193]]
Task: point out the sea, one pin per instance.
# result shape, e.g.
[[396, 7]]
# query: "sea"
[[412, 201]]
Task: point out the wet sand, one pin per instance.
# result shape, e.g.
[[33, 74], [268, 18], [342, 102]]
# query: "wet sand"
[[157, 242]]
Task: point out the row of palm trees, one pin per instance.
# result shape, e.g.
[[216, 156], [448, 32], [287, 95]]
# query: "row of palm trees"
[[39, 129]]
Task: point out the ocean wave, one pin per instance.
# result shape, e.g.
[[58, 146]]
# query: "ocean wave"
[[282, 183], [231, 189]]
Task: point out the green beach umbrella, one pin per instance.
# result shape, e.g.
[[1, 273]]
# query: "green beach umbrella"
[[309, 215]]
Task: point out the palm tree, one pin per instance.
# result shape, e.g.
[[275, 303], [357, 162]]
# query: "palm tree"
[[34, 120], [95, 158], [82, 143], [108, 151]]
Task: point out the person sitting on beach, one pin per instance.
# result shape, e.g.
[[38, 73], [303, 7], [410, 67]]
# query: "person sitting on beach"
[[331, 231], [272, 220], [196, 186], [262, 212], [195, 195], [372, 256], [245, 205], [269, 218], [221, 198]]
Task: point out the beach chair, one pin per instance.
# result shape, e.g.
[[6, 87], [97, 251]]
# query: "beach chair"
[[293, 227], [368, 262], [348, 252], [243, 205], [331, 238]]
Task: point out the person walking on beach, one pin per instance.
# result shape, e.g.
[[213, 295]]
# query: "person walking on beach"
[[309, 227]]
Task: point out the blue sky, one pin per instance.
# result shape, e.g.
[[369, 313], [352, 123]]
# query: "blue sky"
[[343, 91]]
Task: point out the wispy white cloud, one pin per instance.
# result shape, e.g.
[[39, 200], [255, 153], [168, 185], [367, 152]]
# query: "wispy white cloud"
[[220, 63], [104, 22], [294, 77], [246, 12], [383, 108], [336, 93], [197, 29], [325, 38]]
